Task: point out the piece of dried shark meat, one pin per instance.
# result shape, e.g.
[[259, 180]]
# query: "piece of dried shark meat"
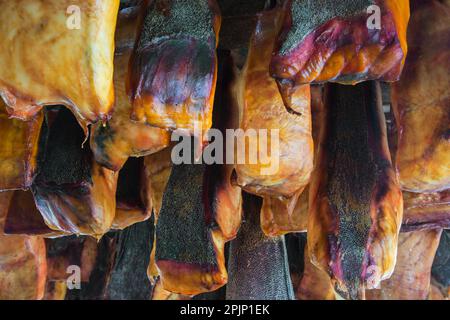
[[72, 60], [23, 265], [72, 191], [173, 69], [421, 101], [279, 152], [328, 40], [355, 202], [18, 150], [257, 265], [200, 210], [120, 138]]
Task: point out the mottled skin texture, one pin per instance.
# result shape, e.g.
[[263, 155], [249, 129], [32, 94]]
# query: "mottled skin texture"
[[23, 266], [18, 150], [322, 41], [74, 193], [411, 279], [355, 204], [421, 101], [113, 142], [262, 108], [68, 66], [173, 69]]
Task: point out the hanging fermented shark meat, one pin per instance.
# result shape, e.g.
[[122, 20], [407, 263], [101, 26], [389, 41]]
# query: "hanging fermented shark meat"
[[426, 210], [18, 150], [281, 164], [23, 218], [315, 284], [74, 194], [194, 223], [113, 142], [279, 216], [72, 59], [172, 76], [23, 267], [355, 207], [411, 279], [441, 266], [421, 102], [340, 41], [64, 252], [55, 291], [257, 266], [133, 199]]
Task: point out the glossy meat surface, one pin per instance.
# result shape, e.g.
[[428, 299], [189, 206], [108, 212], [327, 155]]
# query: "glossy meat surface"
[[421, 101], [65, 64]]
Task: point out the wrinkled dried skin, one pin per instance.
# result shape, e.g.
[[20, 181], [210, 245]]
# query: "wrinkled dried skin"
[[327, 40], [74, 194], [55, 291], [23, 266], [173, 70], [421, 101], [18, 150], [68, 66], [133, 198], [114, 142], [355, 204], [426, 211], [411, 279], [257, 265], [23, 218], [159, 294], [287, 169], [315, 283]]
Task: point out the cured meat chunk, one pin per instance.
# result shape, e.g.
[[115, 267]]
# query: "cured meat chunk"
[[341, 41], [421, 102], [74, 194], [252, 255], [286, 169], [133, 199], [70, 61], [356, 205], [18, 150], [426, 211], [411, 279], [173, 69], [113, 142], [55, 290], [23, 267]]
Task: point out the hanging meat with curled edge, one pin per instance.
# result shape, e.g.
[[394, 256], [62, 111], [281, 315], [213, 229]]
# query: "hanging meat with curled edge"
[[328, 40], [72, 57], [257, 265], [120, 138], [421, 101], [281, 174], [200, 210], [18, 150], [74, 194], [23, 266], [173, 69], [355, 205]]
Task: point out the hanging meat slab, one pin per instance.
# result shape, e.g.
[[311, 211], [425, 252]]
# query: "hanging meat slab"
[[340, 41], [23, 266], [173, 70], [411, 279], [120, 138], [55, 291], [421, 102], [356, 205], [70, 61], [74, 194], [257, 265], [283, 167], [18, 150]]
